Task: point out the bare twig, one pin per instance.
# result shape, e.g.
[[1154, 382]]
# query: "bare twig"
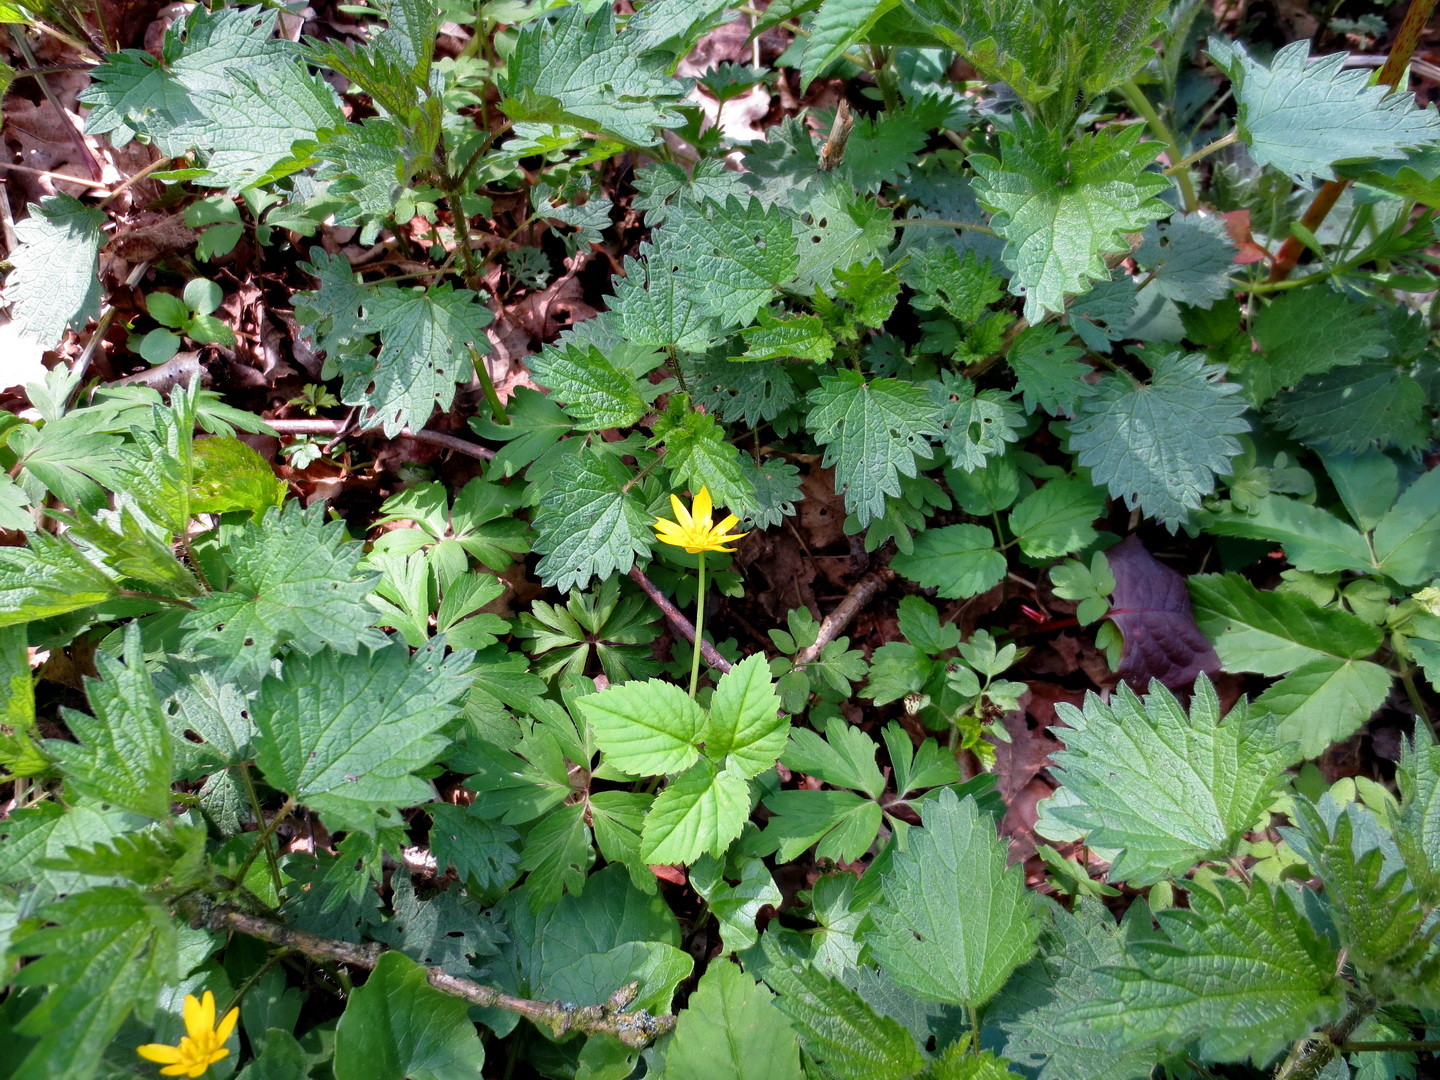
[[336, 427], [635, 1029], [66, 177], [682, 625], [861, 594]]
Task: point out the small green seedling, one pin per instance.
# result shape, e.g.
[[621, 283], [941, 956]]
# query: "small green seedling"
[[188, 315]]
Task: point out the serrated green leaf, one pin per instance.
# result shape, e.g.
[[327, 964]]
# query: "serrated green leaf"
[[556, 855], [731, 1030], [699, 812], [1164, 788], [575, 71], [1046, 374], [596, 393], [397, 1025], [645, 728], [589, 525], [845, 758], [344, 734], [108, 951], [295, 579], [1161, 445], [1302, 116], [124, 755], [1058, 518], [1061, 208], [843, 825], [873, 433], [1189, 259], [54, 285], [1417, 826], [1377, 911], [952, 922], [837, 26], [1308, 332], [1324, 701], [776, 490], [737, 906], [1274, 632], [449, 931], [481, 850], [1233, 956], [977, 424], [1034, 1009], [426, 337], [231, 475], [1313, 539], [745, 728], [835, 1025], [791, 336], [48, 577], [957, 560], [1407, 538], [701, 455], [1350, 409]]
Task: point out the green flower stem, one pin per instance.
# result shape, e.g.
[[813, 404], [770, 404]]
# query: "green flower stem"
[[1136, 99], [699, 629]]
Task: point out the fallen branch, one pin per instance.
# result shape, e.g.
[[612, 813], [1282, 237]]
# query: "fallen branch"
[[335, 427], [635, 1029], [863, 592], [682, 625]]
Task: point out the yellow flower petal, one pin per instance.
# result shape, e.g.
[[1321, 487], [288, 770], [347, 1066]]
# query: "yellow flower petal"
[[682, 516], [159, 1053], [195, 1018], [182, 1069], [227, 1025], [703, 508]]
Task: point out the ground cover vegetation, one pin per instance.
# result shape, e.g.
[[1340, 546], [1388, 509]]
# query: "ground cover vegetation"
[[700, 540]]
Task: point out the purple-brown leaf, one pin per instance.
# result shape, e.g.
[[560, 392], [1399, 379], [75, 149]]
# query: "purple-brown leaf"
[[1151, 606]]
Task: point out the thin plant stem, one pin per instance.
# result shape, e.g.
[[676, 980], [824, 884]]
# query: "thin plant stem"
[[1204, 152], [258, 974], [264, 842], [1393, 1046], [154, 166], [946, 223], [699, 628], [1136, 99], [497, 409]]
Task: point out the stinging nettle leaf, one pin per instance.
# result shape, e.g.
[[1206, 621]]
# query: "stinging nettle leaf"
[[1304, 116], [1061, 208], [1189, 259], [54, 285], [1162, 787], [588, 524], [952, 921], [1161, 445]]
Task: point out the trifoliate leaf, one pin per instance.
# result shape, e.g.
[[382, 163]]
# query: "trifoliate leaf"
[[840, 825], [54, 285], [1163, 788], [536, 424], [731, 1030], [845, 757], [1046, 373], [1058, 519], [952, 922], [1303, 116], [294, 578], [1273, 632], [1034, 1009], [1354, 408], [575, 71], [109, 951], [588, 525], [737, 906], [425, 340], [977, 424], [957, 560], [1308, 332], [700, 454], [344, 734], [1161, 445], [123, 756], [873, 434], [1234, 955], [1324, 701], [699, 812], [1060, 208], [397, 1025], [1188, 258], [1407, 539], [835, 1025], [645, 728]]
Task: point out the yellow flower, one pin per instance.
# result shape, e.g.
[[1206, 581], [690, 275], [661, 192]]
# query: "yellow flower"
[[696, 532], [203, 1044]]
